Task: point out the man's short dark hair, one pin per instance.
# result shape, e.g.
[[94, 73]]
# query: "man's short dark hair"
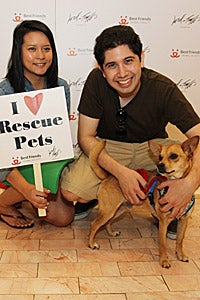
[[115, 36]]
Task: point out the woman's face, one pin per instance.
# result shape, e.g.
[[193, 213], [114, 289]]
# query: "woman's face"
[[36, 54]]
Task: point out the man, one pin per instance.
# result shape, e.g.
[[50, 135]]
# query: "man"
[[127, 104]]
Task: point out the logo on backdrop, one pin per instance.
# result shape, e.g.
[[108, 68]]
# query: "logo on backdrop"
[[125, 20], [73, 116], [178, 53], [79, 51], [72, 52], [175, 53], [186, 20], [82, 17], [19, 17]]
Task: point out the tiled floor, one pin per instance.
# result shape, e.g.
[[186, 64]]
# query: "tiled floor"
[[46, 262]]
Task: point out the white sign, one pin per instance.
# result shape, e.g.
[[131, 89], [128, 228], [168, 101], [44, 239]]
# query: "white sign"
[[34, 128]]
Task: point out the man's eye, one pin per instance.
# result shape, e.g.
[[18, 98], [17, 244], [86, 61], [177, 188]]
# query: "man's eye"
[[128, 60], [110, 66]]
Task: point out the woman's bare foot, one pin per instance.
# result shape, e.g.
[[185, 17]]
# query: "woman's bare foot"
[[14, 218]]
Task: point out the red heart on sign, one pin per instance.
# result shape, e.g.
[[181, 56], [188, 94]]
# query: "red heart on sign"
[[33, 103]]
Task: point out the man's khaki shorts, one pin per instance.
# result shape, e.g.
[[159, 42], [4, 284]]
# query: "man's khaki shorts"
[[80, 179]]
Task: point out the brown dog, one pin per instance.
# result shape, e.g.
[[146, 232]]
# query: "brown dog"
[[173, 161]]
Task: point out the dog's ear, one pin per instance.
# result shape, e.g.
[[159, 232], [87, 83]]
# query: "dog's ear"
[[155, 148], [190, 145]]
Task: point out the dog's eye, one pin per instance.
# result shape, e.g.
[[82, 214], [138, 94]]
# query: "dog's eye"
[[173, 156], [160, 157]]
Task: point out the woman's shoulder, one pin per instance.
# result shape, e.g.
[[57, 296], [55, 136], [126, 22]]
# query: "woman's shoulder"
[[62, 82], [5, 87]]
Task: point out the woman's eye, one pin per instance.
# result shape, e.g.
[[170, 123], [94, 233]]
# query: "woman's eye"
[[46, 49], [31, 49]]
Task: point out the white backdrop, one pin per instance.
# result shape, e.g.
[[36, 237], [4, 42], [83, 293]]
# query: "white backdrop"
[[169, 32]]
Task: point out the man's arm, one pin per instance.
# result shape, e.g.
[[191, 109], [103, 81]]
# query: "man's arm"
[[129, 180], [180, 191]]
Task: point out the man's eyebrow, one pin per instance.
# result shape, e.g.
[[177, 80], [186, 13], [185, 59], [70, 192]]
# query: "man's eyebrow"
[[113, 62]]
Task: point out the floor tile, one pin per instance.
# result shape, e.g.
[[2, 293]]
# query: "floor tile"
[[49, 263]]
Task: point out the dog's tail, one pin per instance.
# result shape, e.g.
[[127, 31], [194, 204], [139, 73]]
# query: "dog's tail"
[[93, 158]]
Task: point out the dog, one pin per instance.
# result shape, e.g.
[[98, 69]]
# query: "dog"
[[173, 161]]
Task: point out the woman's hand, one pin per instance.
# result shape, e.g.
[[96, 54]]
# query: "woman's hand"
[[37, 198]]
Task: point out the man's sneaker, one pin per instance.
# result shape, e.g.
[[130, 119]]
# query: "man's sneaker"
[[172, 229], [82, 210]]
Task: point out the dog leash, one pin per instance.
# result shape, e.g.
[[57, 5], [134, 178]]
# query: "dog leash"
[[152, 183], [149, 190]]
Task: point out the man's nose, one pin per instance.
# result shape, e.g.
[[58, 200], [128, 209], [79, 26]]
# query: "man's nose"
[[122, 70]]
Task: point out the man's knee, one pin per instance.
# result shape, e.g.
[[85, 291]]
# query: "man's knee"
[[69, 196]]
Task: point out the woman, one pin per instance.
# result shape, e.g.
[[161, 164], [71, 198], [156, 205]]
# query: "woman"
[[33, 65]]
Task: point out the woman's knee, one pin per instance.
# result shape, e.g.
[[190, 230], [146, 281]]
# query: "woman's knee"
[[60, 216]]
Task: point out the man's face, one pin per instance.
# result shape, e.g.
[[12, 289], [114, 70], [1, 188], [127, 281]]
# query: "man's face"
[[122, 70]]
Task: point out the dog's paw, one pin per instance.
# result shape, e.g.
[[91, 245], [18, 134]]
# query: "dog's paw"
[[94, 246], [182, 257], [111, 232], [165, 263], [116, 233]]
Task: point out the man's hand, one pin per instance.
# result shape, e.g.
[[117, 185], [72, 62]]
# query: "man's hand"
[[132, 185], [178, 196]]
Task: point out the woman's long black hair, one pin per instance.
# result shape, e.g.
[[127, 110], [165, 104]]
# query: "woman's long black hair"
[[15, 69]]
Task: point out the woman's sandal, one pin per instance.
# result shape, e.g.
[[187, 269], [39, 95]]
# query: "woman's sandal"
[[17, 218]]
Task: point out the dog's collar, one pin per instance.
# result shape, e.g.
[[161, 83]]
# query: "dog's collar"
[[151, 187]]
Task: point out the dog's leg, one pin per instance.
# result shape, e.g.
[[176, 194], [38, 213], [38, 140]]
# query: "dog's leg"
[[122, 209], [101, 220], [110, 199], [182, 225], [163, 224], [94, 227], [110, 231]]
